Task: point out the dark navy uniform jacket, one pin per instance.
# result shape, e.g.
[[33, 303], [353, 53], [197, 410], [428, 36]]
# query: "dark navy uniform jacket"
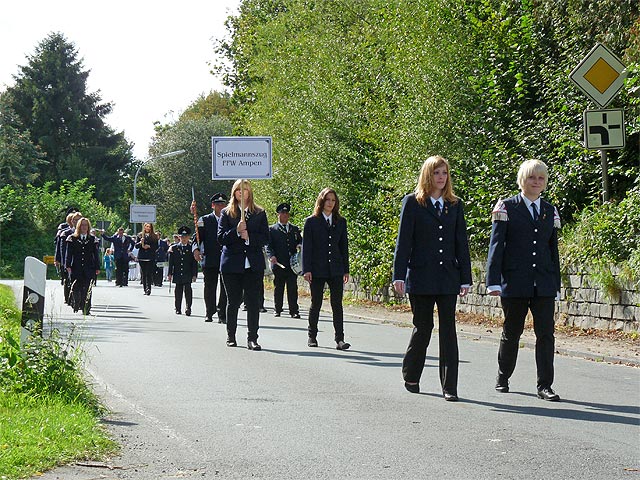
[[234, 250], [121, 245], [147, 253], [282, 245], [432, 252], [208, 233], [182, 264], [59, 246], [524, 252], [325, 251], [82, 256]]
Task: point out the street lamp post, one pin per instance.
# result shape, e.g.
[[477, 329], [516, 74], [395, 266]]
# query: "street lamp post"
[[135, 178]]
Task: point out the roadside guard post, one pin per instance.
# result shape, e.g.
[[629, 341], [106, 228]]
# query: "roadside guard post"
[[35, 280]]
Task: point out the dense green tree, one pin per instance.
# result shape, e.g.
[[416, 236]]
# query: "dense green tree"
[[29, 217], [52, 104], [19, 158], [357, 94], [206, 106], [169, 181]]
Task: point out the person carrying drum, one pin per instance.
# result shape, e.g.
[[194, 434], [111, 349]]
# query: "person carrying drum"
[[284, 244]]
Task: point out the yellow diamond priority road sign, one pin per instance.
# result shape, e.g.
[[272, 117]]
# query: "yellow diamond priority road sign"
[[600, 75]]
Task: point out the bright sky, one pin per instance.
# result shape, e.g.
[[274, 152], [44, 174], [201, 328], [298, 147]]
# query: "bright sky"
[[149, 58]]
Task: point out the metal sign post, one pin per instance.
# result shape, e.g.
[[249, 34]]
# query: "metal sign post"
[[600, 75]]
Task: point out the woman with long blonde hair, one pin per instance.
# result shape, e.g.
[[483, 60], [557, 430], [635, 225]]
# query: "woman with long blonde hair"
[[147, 246], [82, 263], [432, 264], [242, 261]]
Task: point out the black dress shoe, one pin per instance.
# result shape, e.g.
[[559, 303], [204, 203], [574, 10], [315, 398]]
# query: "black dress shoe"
[[450, 397], [253, 345], [312, 342], [342, 345], [502, 384], [262, 310], [276, 314], [295, 315], [231, 342], [548, 394], [208, 319], [187, 312], [178, 312], [412, 387], [222, 320]]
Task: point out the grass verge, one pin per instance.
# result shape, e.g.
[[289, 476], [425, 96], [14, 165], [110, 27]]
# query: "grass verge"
[[48, 414]]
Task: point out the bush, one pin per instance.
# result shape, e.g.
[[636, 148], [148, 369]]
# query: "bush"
[[44, 367], [606, 235]]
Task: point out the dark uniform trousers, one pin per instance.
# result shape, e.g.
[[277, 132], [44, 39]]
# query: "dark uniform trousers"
[[336, 285], [188, 295], [236, 285], [515, 311], [413, 363], [211, 275], [281, 278]]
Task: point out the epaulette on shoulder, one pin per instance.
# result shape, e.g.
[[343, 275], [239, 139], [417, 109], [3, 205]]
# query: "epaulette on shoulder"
[[556, 218], [499, 212]]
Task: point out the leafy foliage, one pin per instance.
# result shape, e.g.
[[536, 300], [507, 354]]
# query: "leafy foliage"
[[357, 94], [50, 105], [29, 217], [170, 180]]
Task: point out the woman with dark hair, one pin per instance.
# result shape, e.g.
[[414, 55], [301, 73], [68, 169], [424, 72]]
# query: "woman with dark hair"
[[325, 260], [432, 264], [242, 235], [82, 263], [147, 246]]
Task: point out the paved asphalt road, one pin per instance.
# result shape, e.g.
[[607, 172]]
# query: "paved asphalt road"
[[186, 406]]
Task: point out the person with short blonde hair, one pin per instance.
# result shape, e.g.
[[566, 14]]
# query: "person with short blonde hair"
[[532, 167], [523, 268]]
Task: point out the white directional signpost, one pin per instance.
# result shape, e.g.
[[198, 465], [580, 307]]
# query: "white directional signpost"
[[600, 75], [35, 280]]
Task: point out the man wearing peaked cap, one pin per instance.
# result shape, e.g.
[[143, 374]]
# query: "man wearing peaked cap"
[[283, 207], [284, 241], [219, 198], [183, 269], [208, 254]]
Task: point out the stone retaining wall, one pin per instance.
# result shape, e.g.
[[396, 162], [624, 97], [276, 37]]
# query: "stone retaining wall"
[[582, 302]]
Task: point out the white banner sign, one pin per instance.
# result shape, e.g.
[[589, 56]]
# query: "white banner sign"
[[142, 213], [241, 157]]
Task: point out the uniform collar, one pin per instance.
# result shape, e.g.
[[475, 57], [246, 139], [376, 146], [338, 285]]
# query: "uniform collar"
[[528, 202]]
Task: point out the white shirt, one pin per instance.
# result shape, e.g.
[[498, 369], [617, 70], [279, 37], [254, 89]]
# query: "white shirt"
[[528, 203], [330, 218]]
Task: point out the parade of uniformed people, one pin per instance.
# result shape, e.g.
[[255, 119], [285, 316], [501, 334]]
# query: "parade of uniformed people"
[[320, 240]]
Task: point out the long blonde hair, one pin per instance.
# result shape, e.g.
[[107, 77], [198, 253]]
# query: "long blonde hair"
[[77, 233], [233, 207], [425, 180], [152, 234]]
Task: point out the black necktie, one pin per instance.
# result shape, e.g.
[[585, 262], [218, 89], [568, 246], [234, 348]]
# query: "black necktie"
[[283, 229], [83, 237], [328, 223], [535, 212], [438, 211]]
